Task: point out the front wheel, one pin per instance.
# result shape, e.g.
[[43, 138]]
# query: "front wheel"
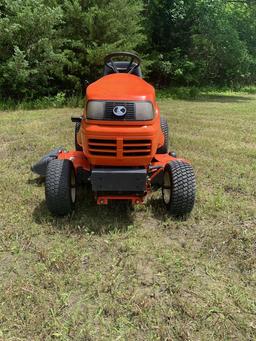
[[60, 187], [179, 188], [165, 130], [77, 145]]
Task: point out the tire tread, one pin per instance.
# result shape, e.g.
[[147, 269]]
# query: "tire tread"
[[165, 129], [183, 188], [77, 145], [57, 187]]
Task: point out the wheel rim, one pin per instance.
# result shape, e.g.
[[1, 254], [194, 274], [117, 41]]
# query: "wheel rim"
[[167, 191], [73, 187]]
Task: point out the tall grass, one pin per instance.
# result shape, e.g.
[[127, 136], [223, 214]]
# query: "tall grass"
[[193, 92], [61, 100], [58, 101]]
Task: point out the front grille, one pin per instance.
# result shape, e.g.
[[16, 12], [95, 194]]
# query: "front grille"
[[136, 147], [126, 148], [102, 147], [129, 116]]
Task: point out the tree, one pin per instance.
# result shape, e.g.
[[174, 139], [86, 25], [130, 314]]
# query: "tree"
[[94, 28], [201, 41], [217, 50], [48, 46], [51, 46], [31, 55]]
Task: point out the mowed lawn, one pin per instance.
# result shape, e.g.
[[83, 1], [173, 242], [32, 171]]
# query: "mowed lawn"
[[122, 273]]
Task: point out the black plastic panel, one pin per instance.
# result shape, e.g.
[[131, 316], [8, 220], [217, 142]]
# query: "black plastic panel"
[[119, 180], [129, 116]]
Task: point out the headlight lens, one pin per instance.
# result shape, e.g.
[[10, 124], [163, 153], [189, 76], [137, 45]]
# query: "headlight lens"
[[95, 110], [124, 111], [144, 111]]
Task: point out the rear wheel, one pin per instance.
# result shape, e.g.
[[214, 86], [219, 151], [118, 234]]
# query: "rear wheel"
[[77, 145], [60, 187], [165, 129], [179, 188]]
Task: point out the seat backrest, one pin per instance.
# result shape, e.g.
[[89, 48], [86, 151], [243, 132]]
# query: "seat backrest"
[[121, 67]]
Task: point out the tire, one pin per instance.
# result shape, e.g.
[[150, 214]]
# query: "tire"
[[179, 188], [165, 129], [60, 187], [77, 145]]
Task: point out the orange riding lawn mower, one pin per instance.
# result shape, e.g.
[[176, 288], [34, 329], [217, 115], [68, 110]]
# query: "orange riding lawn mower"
[[121, 147]]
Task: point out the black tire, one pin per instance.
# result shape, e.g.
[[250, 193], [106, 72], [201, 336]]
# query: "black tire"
[[165, 129], [179, 188], [77, 145], [60, 187]]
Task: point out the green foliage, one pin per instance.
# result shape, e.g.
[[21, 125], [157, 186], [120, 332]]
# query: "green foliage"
[[51, 46], [95, 28], [57, 101], [202, 41], [31, 55]]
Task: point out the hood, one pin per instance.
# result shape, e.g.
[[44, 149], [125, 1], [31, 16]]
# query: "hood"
[[121, 86]]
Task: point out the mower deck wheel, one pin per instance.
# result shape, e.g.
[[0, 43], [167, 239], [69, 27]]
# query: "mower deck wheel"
[[77, 145], [179, 187], [60, 187]]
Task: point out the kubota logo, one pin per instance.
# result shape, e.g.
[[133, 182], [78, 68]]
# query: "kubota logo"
[[119, 110]]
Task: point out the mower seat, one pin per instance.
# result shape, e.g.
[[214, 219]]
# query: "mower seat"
[[121, 67]]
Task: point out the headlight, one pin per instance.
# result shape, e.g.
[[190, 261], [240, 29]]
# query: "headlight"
[[95, 110], [120, 111], [144, 111]]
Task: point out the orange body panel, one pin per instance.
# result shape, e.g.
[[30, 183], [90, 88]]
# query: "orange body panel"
[[121, 86], [135, 199], [78, 159], [121, 143]]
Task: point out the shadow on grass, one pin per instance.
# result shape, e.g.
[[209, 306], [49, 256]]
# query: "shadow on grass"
[[160, 212], [187, 94], [221, 98], [39, 181], [88, 217]]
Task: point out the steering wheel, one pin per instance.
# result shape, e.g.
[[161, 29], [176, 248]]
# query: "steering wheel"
[[135, 61]]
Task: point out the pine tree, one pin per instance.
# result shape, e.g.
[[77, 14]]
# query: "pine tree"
[[31, 55], [94, 28]]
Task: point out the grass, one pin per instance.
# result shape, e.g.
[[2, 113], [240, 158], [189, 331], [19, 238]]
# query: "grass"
[[203, 93], [122, 273]]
